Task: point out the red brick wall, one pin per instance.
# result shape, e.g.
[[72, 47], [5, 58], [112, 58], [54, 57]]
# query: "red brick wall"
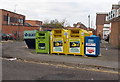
[[115, 34], [119, 34], [0, 20], [100, 21], [9, 29], [11, 14]]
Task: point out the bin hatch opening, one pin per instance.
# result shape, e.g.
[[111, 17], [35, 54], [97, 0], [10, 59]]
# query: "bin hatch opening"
[[42, 46], [75, 31], [57, 31]]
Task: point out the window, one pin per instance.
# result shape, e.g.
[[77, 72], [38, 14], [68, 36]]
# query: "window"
[[16, 20], [5, 18], [19, 20], [11, 19], [113, 15]]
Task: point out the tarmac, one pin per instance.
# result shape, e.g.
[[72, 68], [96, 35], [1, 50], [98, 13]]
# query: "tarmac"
[[108, 60]]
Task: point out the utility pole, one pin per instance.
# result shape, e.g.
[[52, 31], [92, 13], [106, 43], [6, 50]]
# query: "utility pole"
[[88, 21], [91, 24]]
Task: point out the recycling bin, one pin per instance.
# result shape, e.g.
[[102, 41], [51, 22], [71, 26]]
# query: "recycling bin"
[[29, 38], [43, 42], [75, 41], [58, 41], [92, 45]]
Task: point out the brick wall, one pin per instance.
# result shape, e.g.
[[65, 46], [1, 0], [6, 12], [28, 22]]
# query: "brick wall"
[[115, 34], [100, 21], [9, 29], [14, 17], [0, 20]]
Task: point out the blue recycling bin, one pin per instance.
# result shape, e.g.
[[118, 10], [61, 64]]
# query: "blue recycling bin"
[[29, 38], [92, 45]]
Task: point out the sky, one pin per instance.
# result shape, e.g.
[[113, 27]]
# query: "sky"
[[72, 11]]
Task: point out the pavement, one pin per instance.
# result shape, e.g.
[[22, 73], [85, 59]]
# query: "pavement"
[[107, 61]]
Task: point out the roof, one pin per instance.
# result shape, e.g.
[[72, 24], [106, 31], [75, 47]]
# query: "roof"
[[102, 13], [11, 12], [34, 20]]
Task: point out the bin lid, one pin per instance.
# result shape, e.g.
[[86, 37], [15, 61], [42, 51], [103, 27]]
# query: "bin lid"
[[92, 36]]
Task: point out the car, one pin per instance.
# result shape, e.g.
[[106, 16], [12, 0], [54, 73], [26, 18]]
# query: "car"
[[5, 36], [10, 36]]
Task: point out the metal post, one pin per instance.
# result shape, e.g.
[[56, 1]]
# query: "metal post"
[[88, 21]]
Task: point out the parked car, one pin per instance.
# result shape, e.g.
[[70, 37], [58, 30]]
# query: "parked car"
[[10, 36], [5, 36]]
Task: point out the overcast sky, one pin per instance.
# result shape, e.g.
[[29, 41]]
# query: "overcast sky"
[[72, 10]]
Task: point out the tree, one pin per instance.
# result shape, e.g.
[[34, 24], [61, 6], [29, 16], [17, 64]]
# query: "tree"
[[54, 23]]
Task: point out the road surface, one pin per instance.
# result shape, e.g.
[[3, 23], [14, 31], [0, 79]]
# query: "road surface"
[[20, 70]]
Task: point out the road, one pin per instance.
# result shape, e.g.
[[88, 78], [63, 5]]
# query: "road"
[[20, 70]]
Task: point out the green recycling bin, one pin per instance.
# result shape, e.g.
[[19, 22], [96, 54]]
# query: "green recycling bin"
[[43, 42]]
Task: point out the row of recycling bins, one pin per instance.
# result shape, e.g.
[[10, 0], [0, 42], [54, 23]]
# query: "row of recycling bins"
[[61, 41]]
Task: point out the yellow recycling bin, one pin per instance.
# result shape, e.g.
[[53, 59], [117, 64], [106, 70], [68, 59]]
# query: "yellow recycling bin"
[[58, 41], [75, 44]]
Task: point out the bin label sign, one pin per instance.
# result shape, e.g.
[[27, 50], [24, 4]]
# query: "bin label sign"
[[58, 46], [90, 50], [74, 46], [90, 44], [90, 40], [30, 34]]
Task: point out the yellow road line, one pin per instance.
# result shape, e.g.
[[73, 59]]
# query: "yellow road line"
[[71, 67]]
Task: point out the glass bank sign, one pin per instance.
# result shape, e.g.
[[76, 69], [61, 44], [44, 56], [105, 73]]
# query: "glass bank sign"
[[30, 34]]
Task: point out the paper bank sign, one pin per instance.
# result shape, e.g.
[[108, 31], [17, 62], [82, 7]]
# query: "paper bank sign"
[[90, 42]]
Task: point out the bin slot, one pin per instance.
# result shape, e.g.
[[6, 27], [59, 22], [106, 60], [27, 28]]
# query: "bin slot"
[[57, 31], [41, 34], [57, 35], [74, 31], [41, 37], [74, 35]]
